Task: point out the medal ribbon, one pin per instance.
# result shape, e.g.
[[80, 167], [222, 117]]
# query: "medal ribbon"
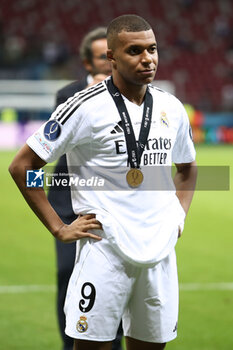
[[134, 151]]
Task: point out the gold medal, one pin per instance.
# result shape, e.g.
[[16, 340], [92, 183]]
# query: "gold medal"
[[134, 177]]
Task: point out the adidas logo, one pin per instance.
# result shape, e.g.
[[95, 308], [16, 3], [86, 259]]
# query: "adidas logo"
[[118, 128]]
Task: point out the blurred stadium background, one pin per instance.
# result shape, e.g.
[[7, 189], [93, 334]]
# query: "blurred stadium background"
[[39, 43]]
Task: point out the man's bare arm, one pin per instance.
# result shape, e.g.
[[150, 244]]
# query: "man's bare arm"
[[185, 182], [26, 158]]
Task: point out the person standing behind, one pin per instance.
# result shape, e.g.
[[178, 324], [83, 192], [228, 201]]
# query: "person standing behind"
[[93, 55]]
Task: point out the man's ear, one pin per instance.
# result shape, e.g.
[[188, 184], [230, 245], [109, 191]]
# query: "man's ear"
[[87, 66], [110, 56]]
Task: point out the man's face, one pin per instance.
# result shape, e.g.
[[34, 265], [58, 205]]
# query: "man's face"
[[100, 64], [135, 57]]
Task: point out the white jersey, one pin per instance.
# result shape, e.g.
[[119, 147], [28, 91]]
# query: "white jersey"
[[140, 223]]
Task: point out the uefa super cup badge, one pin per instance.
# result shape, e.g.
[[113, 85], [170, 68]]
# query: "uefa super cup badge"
[[82, 324]]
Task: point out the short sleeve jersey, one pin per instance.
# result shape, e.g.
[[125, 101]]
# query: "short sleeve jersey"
[[141, 223]]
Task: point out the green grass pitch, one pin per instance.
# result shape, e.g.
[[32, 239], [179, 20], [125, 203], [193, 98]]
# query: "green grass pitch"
[[204, 254]]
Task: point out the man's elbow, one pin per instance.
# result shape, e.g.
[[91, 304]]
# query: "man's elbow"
[[14, 169]]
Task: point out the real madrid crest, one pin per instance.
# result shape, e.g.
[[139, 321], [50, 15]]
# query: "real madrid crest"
[[164, 120], [82, 324]]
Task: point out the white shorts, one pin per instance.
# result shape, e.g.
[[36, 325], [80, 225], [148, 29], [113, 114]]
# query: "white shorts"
[[104, 289]]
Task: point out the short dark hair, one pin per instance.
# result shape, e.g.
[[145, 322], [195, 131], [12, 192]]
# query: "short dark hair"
[[85, 46], [128, 23]]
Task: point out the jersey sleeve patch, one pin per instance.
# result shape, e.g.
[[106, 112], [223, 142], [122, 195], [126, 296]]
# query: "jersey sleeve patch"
[[52, 130]]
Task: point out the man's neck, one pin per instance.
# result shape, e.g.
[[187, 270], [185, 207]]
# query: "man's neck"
[[134, 93]]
